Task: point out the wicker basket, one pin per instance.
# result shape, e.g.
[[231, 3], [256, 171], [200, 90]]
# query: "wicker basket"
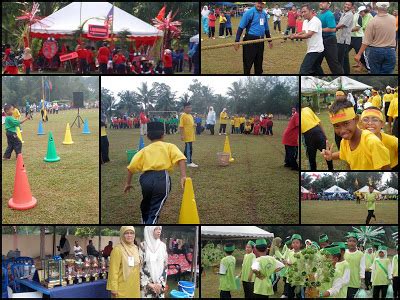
[[223, 159]]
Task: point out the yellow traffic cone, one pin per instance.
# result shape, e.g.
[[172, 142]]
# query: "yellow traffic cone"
[[227, 149], [68, 137], [188, 213], [19, 135]]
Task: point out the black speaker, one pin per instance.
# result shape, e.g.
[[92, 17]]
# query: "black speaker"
[[78, 99]]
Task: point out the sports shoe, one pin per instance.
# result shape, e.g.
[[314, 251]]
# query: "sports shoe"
[[193, 165]]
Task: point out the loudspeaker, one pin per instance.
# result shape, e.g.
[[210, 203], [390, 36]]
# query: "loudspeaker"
[[78, 99]]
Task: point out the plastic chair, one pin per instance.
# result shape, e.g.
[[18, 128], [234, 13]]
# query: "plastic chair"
[[17, 271], [4, 282]]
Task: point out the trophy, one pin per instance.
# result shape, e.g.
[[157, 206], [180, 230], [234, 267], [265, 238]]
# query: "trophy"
[[94, 268], [54, 272], [79, 271], [70, 271], [103, 265], [86, 270]]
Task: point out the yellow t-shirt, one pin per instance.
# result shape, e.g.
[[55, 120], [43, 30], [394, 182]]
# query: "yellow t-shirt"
[[223, 118], [247, 127], [387, 97], [237, 121], [370, 154], [103, 131], [242, 120], [222, 19], [16, 114], [376, 101], [157, 156], [232, 122], [187, 123], [392, 144], [393, 110], [308, 119], [251, 120]]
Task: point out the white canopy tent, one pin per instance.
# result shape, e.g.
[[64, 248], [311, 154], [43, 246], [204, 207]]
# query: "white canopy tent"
[[66, 21], [311, 85], [304, 191], [365, 189], [390, 191], [347, 84], [235, 232], [337, 190], [194, 39]]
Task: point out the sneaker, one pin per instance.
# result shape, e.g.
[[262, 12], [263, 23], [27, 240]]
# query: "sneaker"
[[220, 134], [5, 158], [224, 133], [193, 165]]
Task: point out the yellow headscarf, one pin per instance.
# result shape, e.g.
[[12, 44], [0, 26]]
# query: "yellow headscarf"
[[127, 250]]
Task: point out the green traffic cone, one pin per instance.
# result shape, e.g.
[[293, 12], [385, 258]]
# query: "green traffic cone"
[[51, 150]]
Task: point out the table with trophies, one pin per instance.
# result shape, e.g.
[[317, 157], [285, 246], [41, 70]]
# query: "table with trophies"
[[70, 278]]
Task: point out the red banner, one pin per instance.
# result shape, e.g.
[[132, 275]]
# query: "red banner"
[[98, 31], [68, 56]]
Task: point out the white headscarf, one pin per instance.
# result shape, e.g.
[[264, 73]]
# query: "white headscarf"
[[156, 253], [205, 12]]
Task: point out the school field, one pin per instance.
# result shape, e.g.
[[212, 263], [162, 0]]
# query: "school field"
[[321, 163], [283, 58], [255, 188], [67, 191], [345, 212], [210, 284]]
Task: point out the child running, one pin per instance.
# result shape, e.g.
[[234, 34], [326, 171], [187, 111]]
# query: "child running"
[[370, 199]]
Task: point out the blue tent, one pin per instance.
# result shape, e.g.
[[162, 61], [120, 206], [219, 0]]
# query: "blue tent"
[[289, 5]]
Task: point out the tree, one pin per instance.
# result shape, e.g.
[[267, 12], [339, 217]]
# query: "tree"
[[165, 97], [107, 101], [128, 102], [145, 95]]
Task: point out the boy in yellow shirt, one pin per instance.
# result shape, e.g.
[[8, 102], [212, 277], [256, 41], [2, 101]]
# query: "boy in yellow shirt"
[[155, 161], [16, 114], [187, 130], [232, 125], [375, 99], [222, 23], [104, 140], [372, 120], [393, 114], [361, 149], [387, 98], [236, 121]]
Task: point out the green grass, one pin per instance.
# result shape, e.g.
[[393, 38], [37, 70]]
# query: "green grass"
[[210, 285], [345, 212], [67, 191], [283, 58], [256, 188], [328, 128]]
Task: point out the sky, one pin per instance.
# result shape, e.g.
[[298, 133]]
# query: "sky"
[[179, 84]]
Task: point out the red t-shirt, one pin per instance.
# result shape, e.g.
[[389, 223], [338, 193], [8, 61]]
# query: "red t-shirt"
[[211, 20], [89, 56], [27, 63], [292, 18], [167, 61], [82, 54], [291, 133], [11, 70], [143, 118], [119, 59], [103, 55], [7, 53], [299, 26]]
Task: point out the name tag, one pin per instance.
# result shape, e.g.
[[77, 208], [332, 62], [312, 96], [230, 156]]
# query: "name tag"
[[262, 22], [131, 261]]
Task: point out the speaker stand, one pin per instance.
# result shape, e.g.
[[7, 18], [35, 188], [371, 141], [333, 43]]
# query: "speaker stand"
[[78, 120]]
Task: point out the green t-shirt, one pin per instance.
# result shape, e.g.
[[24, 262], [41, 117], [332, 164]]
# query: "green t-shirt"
[[370, 200], [365, 20], [268, 265], [340, 269], [11, 124], [246, 267], [227, 274], [395, 266], [380, 277], [290, 257], [369, 259], [354, 260]]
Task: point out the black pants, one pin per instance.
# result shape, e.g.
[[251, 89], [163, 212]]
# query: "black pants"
[[269, 130], [188, 152], [370, 215], [13, 144], [386, 110], [211, 128], [310, 63], [291, 157], [248, 288], [343, 57], [355, 44], [222, 128], [285, 287], [351, 292], [232, 129], [103, 68], [292, 294], [258, 296], [293, 28], [211, 31], [277, 24], [395, 129], [156, 186], [315, 140], [225, 294], [28, 70], [228, 30], [368, 279], [241, 128], [253, 54], [338, 140], [330, 53], [221, 29], [104, 149], [83, 66], [376, 290], [396, 287]]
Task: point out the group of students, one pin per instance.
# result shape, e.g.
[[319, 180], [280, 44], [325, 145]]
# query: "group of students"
[[354, 270], [360, 139], [209, 18]]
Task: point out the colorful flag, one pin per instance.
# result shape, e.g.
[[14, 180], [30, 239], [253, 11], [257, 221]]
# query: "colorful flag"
[[161, 14], [109, 18]]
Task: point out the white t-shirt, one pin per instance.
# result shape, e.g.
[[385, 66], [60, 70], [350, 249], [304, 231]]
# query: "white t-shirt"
[[315, 43], [78, 250], [277, 14]]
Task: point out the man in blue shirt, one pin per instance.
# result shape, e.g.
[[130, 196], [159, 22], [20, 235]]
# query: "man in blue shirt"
[[255, 21], [329, 38], [228, 25]]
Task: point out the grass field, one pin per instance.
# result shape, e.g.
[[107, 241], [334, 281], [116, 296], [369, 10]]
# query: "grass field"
[[345, 212], [283, 58], [67, 191], [256, 188], [210, 285], [321, 163]]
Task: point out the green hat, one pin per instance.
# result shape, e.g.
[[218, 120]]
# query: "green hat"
[[352, 235], [288, 242], [229, 248], [332, 250], [323, 238], [382, 248], [315, 245], [261, 242], [341, 245], [251, 243], [296, 237]]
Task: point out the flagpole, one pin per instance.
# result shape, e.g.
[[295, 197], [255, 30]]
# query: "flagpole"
[[112, 27]]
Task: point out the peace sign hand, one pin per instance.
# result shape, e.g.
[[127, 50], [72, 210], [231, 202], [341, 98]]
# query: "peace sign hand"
[[327, 152]]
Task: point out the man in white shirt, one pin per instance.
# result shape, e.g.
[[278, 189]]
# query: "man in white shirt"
[[312, 31], [277, 17], [78, 250]]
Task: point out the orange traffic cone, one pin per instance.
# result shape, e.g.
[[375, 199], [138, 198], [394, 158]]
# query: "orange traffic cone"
[[188, 213], [22, 197]]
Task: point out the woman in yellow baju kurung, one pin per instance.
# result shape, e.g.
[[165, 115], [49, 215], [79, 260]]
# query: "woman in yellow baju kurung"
[[124, 271]]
